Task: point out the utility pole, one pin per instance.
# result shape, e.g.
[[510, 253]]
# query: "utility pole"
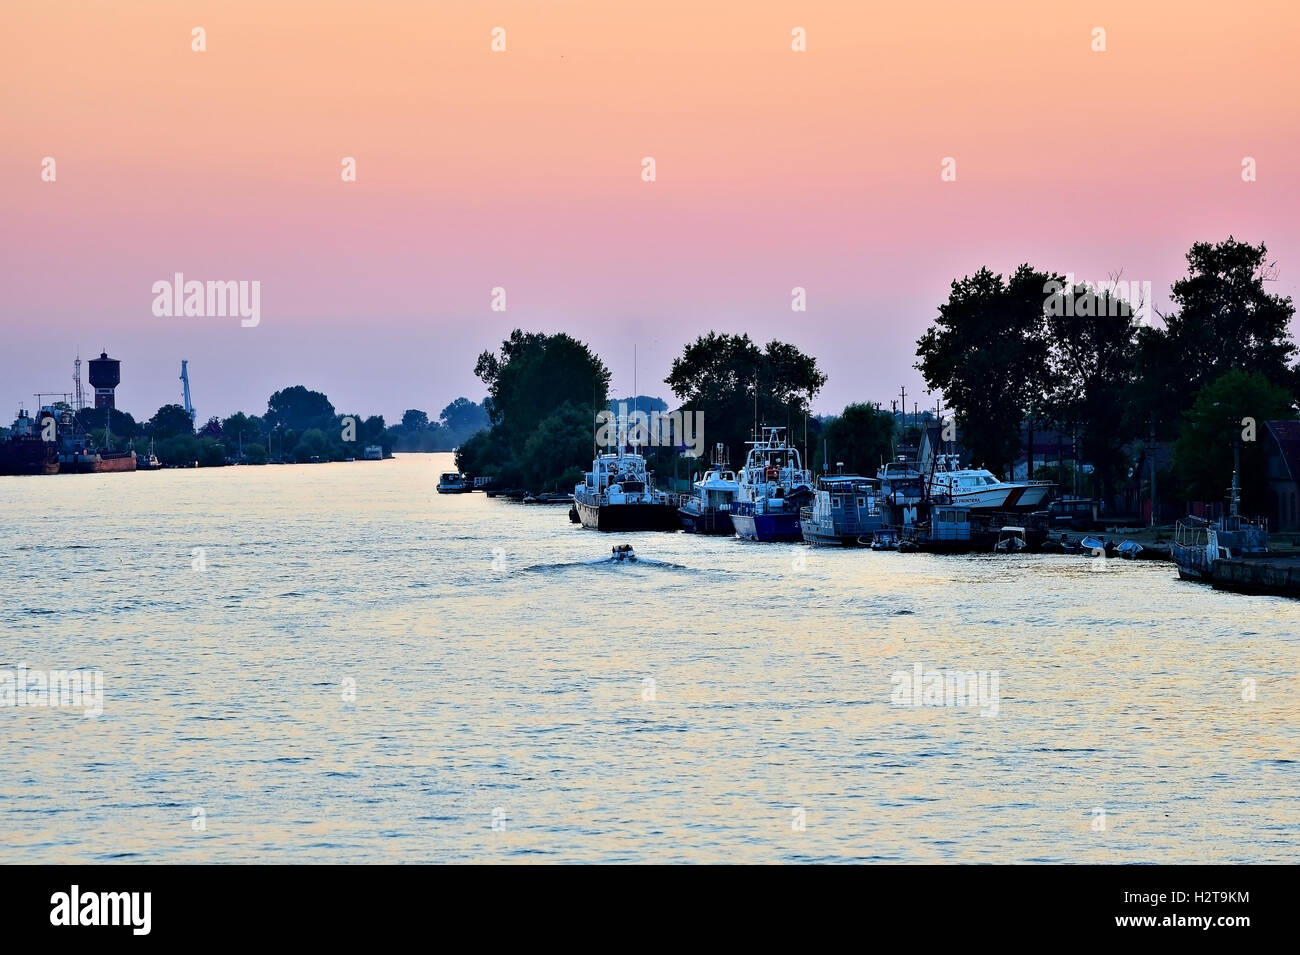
[[1151, 460]]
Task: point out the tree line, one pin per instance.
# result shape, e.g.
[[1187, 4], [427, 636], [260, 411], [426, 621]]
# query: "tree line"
[[1032, 350], [299, 425]]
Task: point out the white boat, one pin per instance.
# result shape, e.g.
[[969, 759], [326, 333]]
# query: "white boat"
[[449, 482], [1011, 540], [773, 487], [980, 490], [707, 510], [617, 494]]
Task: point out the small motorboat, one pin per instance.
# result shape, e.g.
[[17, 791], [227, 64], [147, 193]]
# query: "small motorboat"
[[907, 546], [1011, 540], [622, 552], [1096, 546], [1129, 549], [450, 482]]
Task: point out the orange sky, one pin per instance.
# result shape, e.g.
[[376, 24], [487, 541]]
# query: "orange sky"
[[522, 169]]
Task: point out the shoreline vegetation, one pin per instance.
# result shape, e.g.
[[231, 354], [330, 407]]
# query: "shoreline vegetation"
[[299, 426], [1146, 418]]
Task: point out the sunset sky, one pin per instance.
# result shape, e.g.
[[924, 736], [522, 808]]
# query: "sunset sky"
[[522, 169]]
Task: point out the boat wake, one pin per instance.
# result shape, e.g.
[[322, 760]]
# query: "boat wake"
[[604, 562]]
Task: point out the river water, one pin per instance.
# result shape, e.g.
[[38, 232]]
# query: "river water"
[[332, 663]]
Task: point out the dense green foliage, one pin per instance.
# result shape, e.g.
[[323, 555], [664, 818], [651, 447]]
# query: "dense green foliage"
[[1030, 349], [861, 438], [718, 374], [1229, 411], [458, 422], [987, 352], [542, 394]]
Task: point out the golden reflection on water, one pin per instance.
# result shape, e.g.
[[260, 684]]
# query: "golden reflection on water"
[[523, 690]]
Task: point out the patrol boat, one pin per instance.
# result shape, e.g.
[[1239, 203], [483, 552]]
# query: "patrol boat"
[[773, 486], [707, 510], [617, 495]]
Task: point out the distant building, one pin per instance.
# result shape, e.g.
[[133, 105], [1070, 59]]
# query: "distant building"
[[1282, 474], [1050, 449]]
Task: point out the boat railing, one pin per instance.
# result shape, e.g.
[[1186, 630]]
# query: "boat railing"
[[1191, 534]]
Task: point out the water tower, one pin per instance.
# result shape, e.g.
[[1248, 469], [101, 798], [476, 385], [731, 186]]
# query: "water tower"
[[105, 374]]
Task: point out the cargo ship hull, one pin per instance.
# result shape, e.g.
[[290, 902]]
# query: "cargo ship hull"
[[28, 456], [103, 462]]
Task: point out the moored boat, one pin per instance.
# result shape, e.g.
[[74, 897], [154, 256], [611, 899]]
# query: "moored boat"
[[25, 452], [843, 510], [948, 530], [773, 487], [902, 490], [1011, 540], [617, 495], [979, 489], [77, 452], [148, 462], [450, 482], [707, 509]]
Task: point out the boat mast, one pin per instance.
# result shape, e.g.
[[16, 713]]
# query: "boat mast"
[[1236, 489]]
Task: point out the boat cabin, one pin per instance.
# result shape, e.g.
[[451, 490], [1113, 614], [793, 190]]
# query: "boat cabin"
[[950, 523]]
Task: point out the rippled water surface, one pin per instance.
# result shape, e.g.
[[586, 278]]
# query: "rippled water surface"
[[520, 688]]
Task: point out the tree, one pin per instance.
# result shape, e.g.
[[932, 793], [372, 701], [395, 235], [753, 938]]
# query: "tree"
[[249, 426], [719, 375], [535, 379], [212, 453], [862, 438], [534, 375], [463, 417], [212, 429], [553, 451], [987, 353], [1222, 319], [121, 423], [170, 421], [413, 420], [644, 403], [298, 409], [1091, 352], [313, 443], [1229, 411], [180, 450], [487, 454]]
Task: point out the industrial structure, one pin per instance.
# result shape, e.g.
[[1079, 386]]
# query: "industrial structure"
[[105, 375], [185, 389]]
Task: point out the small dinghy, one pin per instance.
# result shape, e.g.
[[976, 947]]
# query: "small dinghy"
[[1129, 549], [622, 552]]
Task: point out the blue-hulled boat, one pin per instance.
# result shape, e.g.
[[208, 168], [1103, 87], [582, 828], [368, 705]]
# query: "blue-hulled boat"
[[844, 510], [773, 486]]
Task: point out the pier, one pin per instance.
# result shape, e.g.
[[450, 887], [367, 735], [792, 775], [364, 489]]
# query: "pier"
[[1279, 576]]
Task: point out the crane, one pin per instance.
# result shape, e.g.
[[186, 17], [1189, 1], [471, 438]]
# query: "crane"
[[185, 389]]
